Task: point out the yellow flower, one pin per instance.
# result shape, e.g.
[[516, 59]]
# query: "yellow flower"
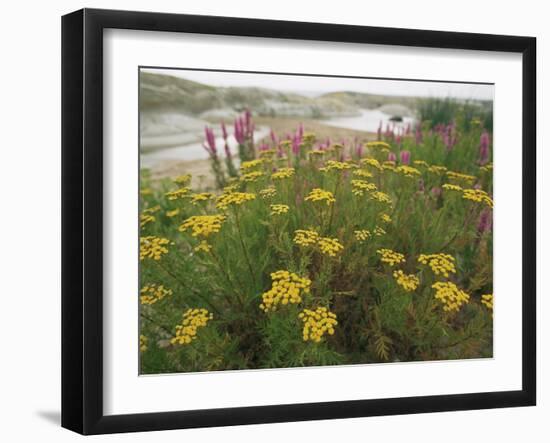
[[478, 195], [330, 246], [362, 235], [377, 144], [458, 176], [391, 257], [282, 173], [450, 295], [279, 209], [268, 192], [316, 153], [380, 197], [178, 194], [251, 164], [389, 165], [203, 225], [487, 300], [183, 180], [251, 176], [193, 320], [385, 218], [421, 163], [372, 162], [143, 343], [440, 263], [152, 209], [201, 197], [172, 213], [338, 166], [379, 231], [320, 195], [303, 237], [451, 187], [359, 187], [152, 293], [437, 169], [152, 247], [267, 154], [234, 198], [146, 191], [144, 219], [408, 282], [408, 171], [362, 173], [203, 246], [286, 287], [486, 168], [317, 323]]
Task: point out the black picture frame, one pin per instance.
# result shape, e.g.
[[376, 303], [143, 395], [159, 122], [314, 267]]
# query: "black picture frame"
[[82, 220]]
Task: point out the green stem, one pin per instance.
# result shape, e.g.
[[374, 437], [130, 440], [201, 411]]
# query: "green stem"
[[245, 252]]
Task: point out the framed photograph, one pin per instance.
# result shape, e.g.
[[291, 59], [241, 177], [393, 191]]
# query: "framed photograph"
[[270, 221]]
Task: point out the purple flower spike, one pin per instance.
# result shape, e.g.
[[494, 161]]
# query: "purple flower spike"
[[392, 157], [210, 144], [405, 157], [484, 148], [485, 222]]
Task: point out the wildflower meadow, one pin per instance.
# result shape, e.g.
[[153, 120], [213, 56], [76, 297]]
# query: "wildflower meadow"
[[311, 252]]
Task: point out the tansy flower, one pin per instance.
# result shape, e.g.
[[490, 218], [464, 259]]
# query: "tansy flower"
[[234, 198], [330, 246], [451, 187], [152, 209], [303, 237], [279, 209], [203, 246], [478, 195], [251, 164], [178, 194], [144, 219], [385, 218], [172, 213], [377, 144], [371, 162], [408, 282], [487, 300], [437, 169], [146, 191], [379, 231], [282, 173], [152, 247], [316, 153], [362, 235], [201, 197], [143, 343], [380, 197], [388, 165], [193, 320], [408, 171], [251, 176], [421, 163], [338, 166], [320, 195], [359, 187], [152, 293], [268, 192], [202, 225], [390, 257], [362, 173], [458, 176], [450, 295], [317, 323], [286, 287], [441, 264], [183, 180]]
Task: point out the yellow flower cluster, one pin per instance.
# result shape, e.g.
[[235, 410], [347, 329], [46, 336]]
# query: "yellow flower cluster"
[[421, 163], [362, 235], [306, 237], [251, 176], [234, 198], [450, 295], [478, 195], [279, 209], [385, 218], [144, 219], [203, 246], [317, 323], [251, 164], [437, 169], [152, 247], [267, 154], [152, 209], [201, 197], [183, 180], [389, 165], [362, 173], [193, 319], [286, 287], [441, 264], [359, 187], [268, 192], [143, 340], [408, 171], [282, 173], [391, 257], [372, 162], [146, 191], [202, 225], [338, 166], [487, 168], [451, 187], [487, 300], [330, 246], [178, 194], [458, 176], [377, 144], [172, 213], [408, 282], [379, 231], [380, 197], [316, 153], [320, 195], [150, 294]]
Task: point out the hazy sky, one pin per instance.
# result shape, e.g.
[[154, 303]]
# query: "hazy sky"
[[319, 85]]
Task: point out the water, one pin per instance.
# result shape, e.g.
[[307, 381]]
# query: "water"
[[368, 120]]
